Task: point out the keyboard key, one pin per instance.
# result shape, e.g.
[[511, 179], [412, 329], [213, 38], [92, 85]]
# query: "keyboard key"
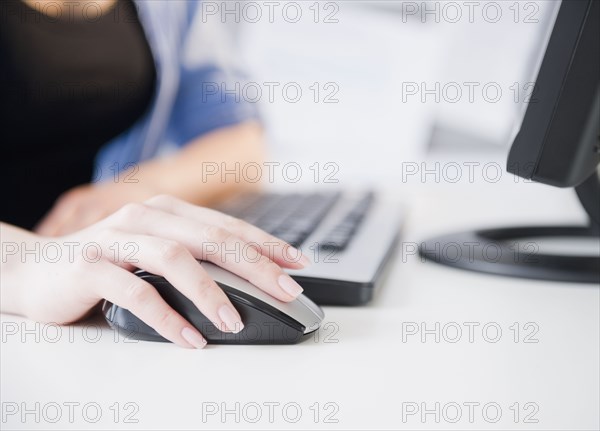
[[340, 235], [290, 217]]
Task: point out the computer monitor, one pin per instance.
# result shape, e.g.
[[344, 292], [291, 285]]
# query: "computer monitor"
[[558, 144]]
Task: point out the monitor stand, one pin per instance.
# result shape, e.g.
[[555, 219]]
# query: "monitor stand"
[[513, 251]]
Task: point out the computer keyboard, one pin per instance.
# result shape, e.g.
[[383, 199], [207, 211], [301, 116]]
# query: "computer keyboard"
[[290, 217], [340, 235], [293, 217], [348, 236]]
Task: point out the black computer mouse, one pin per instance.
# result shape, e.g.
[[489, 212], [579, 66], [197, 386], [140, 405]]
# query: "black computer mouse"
[[266, 319]]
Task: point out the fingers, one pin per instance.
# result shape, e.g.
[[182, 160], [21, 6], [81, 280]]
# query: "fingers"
[[212, 243], [134, 294], [275, 249], [176, 264], [253, 266]]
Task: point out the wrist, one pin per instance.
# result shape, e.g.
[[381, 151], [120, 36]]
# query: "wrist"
[[17, 247]]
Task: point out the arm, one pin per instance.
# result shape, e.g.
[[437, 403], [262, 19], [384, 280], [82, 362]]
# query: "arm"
[[183, 175], [180, 175]]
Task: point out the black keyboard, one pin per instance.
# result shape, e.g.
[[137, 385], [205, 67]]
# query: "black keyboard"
[[293, 217]]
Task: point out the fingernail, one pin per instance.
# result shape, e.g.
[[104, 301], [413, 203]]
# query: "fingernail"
[[193, 337], [289, 285], [305, 261], [231, 318], [294, 253]]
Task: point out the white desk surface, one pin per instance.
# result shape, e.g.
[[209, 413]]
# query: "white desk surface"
[[359, 372]]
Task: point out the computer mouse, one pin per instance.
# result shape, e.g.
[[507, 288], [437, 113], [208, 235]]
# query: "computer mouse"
[[267, 320]]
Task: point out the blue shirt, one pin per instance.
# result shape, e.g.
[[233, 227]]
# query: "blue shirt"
[[191, 98]]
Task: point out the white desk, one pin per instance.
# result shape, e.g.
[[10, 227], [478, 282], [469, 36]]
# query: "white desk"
[[359, 364]]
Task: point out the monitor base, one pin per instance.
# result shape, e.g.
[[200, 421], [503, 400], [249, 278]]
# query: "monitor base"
[[509, 252]]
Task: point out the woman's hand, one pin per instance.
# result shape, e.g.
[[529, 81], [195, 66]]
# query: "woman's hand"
[[163, 235], [180, 174], [84, 205]]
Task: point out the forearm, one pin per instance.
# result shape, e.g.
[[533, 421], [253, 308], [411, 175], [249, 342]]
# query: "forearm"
[[189, 174], [183, 174]]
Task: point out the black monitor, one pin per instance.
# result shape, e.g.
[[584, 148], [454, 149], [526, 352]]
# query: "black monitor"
[[558, 144]]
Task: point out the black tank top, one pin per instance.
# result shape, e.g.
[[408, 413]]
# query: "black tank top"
[[67, 86]]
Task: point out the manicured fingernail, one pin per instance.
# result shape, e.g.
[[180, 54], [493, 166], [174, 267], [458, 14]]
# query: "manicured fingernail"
[[296, 256], [193, 337], [231, 318], [305, 261], [289, 285]]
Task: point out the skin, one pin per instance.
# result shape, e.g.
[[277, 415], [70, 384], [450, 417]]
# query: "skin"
[[77, 8], [169, 235], [179, 175]]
